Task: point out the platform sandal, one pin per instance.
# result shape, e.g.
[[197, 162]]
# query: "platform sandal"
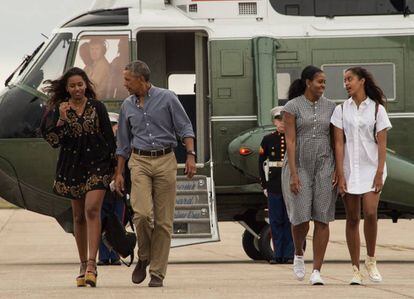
[[80, 280], [90, 276]]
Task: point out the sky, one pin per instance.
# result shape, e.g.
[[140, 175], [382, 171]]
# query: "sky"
[[22, 23]]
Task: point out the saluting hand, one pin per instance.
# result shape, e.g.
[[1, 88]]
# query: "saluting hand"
[[190, 166]]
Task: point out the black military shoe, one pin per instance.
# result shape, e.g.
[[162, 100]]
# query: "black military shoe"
[[155, 282], [140, 272], [277, 260]]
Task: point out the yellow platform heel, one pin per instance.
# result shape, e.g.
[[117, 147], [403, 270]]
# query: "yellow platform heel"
[[91, 276], [80, 280]]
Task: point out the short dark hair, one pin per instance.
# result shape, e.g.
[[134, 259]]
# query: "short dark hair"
[[139, 68]]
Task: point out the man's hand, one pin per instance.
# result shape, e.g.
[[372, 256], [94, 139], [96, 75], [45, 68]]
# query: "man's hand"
[[265, 192], [119, 184], [190, 166]]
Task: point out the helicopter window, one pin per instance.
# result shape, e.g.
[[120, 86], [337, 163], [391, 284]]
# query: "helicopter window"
[[182, 83], [283, 83], [104, 58], [332, 8], [384, 74], [51, 64]]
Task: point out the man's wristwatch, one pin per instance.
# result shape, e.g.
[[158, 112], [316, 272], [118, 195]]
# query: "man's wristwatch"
[[193, 153]]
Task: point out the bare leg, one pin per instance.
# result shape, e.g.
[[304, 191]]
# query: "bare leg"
[[93, 204], [79, 227], [353, 212], [320, 242], [370, 207], [299, 233]]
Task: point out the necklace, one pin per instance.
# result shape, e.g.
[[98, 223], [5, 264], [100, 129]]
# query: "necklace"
[[78, 105]]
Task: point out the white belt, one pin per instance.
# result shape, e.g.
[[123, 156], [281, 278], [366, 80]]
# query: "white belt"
[[275, 163]]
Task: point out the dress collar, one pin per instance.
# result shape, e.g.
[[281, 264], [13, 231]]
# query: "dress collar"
[[365, 102]]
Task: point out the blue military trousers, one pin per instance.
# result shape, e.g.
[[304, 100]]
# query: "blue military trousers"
[[117, 206], [280, 227]]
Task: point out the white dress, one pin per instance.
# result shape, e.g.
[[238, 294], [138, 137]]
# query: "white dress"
[[361, 151]]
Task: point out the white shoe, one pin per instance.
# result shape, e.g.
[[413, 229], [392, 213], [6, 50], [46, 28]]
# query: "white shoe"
[[316, 278], [357, 278], [373, 273], [299, 267]]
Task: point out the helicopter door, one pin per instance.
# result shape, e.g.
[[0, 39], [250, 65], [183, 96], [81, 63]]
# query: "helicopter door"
[[178, 61]]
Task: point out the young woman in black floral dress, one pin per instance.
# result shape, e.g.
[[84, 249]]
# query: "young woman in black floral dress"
[[80, 126]]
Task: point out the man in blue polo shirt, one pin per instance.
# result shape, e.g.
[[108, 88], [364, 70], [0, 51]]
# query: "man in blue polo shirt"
[[149, 121]]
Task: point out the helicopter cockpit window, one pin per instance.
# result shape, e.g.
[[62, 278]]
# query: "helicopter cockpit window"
[[51, 64], [104, 58]]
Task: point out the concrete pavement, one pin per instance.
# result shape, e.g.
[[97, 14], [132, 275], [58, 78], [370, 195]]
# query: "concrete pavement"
[[39, 260]]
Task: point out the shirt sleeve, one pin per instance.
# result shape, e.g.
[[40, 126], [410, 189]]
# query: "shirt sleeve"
[[291, 108], [336, 118], [56, 136], [182, 124], [383, 122], [123, 135]]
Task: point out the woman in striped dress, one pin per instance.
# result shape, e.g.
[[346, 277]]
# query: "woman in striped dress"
[[308, 179]]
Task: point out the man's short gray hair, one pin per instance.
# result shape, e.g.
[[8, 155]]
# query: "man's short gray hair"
[[139, 68]]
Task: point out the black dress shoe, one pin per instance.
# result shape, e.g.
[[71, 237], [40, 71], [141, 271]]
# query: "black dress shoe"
[[103, 262], [155, 282], [140, 272]]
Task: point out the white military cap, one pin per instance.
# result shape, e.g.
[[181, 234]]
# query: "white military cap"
[[276, 111], [113, 117]]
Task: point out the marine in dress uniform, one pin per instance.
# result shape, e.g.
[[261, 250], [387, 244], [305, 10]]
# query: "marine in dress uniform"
[[271, 156]]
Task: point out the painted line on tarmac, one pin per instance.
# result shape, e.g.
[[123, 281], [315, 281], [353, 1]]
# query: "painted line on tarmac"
[[7, 221], [385, 246]]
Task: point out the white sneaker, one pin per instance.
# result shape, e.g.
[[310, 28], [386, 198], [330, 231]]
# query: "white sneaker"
[[316, 278], [357, 278], [299, 267], [373, 273]]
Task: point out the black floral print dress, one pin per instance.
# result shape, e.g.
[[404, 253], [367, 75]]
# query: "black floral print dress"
[[87, 149]]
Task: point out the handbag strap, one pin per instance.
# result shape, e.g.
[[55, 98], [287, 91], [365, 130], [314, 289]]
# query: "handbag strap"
[[131, 256], [128, 211]]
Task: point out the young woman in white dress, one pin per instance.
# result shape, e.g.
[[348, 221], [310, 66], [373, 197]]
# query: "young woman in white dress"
[[360, 129]]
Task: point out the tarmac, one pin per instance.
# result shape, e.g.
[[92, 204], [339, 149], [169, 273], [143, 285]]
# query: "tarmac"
[[39, 260]]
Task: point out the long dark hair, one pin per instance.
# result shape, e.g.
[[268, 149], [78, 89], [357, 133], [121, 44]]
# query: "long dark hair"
[[298, 87], [371, 88], [56, 89]]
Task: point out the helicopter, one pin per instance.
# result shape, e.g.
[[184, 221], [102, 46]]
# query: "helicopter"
[[229, 62]]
